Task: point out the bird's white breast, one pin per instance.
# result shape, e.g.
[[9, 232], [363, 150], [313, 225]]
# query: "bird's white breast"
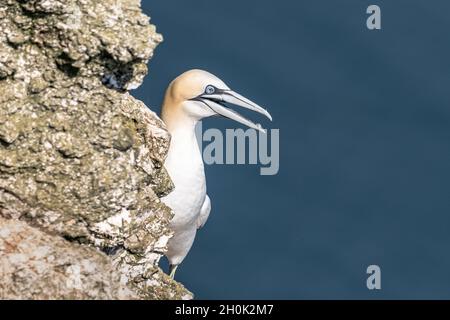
[[185, 166]]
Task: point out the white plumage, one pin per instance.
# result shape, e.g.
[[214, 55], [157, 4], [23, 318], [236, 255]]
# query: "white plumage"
[[192, 96]]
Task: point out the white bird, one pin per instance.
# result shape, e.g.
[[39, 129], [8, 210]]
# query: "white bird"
[[192, 96]]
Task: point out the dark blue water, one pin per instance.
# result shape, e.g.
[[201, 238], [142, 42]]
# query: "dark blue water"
[[364, 119]]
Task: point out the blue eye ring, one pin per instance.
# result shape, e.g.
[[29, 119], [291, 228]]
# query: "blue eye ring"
[[210, 89]]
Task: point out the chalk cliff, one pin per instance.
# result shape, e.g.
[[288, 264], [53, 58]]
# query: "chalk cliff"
[[81, 160]]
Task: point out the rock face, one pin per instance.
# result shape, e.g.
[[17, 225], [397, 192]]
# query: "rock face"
[[81, 161], [45, 266]]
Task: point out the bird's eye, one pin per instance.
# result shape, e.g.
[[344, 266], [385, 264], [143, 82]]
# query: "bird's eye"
[[210, 89]]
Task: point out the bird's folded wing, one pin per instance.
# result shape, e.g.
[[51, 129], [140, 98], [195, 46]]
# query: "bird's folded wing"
[[204, 212]]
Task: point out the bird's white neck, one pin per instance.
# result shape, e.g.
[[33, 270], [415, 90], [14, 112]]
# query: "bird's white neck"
[[183, 140], [184, 160], [184, 156]]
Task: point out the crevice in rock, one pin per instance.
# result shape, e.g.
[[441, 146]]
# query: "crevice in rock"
[[64, 63]]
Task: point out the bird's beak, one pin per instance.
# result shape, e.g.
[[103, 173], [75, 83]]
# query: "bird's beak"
[[216, 103]]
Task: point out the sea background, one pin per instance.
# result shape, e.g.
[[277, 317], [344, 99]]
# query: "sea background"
[[364, 119]]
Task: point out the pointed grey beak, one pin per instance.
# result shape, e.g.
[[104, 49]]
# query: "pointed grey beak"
[[216, 102]]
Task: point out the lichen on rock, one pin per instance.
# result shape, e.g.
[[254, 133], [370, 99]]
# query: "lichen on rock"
[[80, 158], [46, 266]]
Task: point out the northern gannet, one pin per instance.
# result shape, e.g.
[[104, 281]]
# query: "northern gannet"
[[192, 96]]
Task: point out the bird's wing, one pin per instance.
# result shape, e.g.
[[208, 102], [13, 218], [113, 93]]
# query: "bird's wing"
[[204, 212]]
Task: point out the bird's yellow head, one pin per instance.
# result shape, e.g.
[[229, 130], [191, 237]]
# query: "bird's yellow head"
[[197, 94]]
